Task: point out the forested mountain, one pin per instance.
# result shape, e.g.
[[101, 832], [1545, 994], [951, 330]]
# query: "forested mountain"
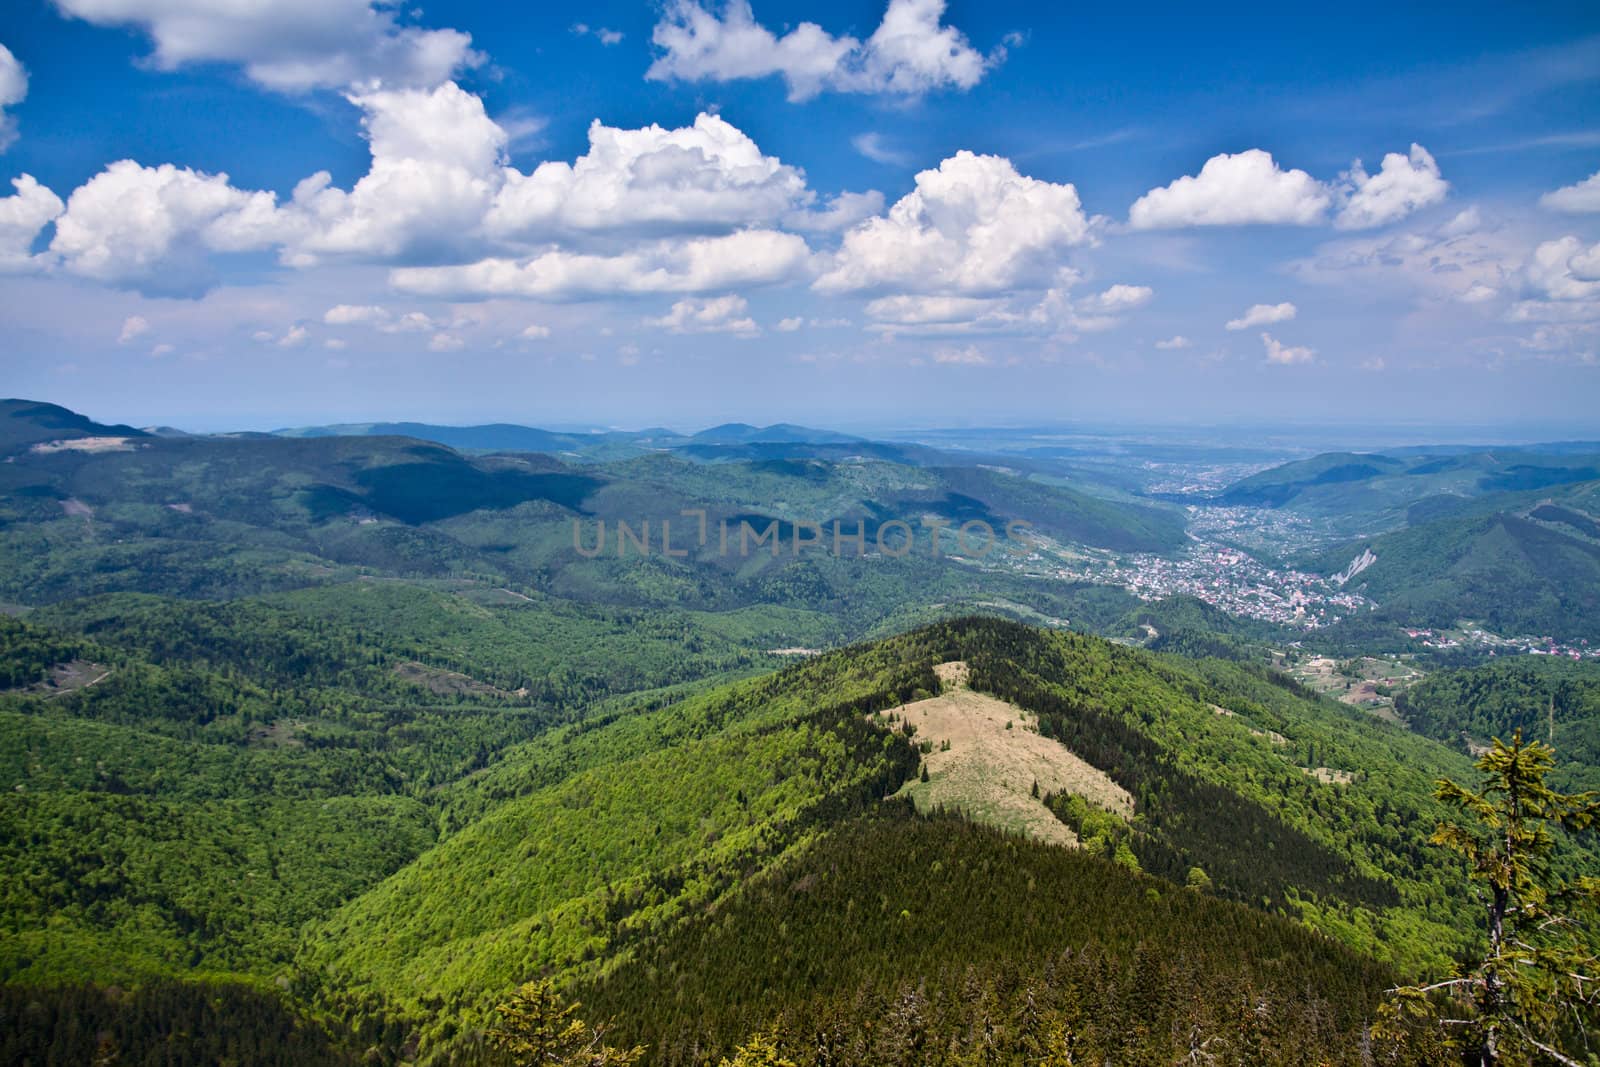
[[345, 738], [601, 444], [27, 423], [394, 858], [493, 437], [1550, 698], [224, 516], [1381, 488], [1522, 563]]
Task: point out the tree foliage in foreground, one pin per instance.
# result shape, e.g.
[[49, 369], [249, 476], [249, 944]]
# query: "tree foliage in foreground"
[[1534, 994], [535, 1027]]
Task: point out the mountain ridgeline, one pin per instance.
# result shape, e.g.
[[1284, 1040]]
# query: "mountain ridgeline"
[[1506, 538], [218, 516], [315, 747], [598, 848]]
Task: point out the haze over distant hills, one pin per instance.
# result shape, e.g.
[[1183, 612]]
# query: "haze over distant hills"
[[1507, 537], [456, 731], [1503, 536], [24, 423], [507, 437]]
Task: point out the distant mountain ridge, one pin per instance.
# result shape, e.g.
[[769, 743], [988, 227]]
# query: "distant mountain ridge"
[[1524, 564], [24, 423], [514, 437], [1340, 480], [230, 514]]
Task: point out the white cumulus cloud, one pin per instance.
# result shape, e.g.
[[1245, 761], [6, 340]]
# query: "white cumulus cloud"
[[291, 45], [1580, 198], [709, 176], [1250, 187], [1280, 353], [156, 228], [1262, 314], [23, 217], [1175, 342], [909, 54], [973, 226], [435, 169], [717, 314], [439, 192], [1233, 190], [1402, 185], [13, 90]]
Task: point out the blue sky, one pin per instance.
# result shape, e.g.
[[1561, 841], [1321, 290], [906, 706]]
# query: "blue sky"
[[851, 214]]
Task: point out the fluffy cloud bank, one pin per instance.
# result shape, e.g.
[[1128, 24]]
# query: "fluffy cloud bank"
[[646, 210], [13, 90], [976, 247], [23, 217], [749, 257], [290, 45], [1232, 190], [1580, 198], [1251, 188], [972, 226], [156, 228], [909, 54], [706, 176]]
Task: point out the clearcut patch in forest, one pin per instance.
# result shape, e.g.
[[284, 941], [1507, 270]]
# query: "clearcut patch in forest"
[[983, 757], [66, 678], [450, 683]]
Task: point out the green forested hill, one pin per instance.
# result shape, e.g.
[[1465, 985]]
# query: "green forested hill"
[[406, 863], [899, 940], [345, 734], [1550, 698], [1522, 564], [226, 517], [27, 422], [638, 816], [1379, 489]]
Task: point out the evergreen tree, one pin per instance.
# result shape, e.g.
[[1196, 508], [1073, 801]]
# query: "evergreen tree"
[[1537, 983], [760, 1051], [536, 1028]]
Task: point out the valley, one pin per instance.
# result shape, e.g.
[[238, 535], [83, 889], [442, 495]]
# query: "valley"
[[356, 730]]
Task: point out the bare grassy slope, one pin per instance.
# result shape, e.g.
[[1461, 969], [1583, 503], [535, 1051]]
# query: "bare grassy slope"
[[986, 757]]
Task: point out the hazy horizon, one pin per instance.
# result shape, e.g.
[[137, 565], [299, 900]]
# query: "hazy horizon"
[[1229, 433]]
